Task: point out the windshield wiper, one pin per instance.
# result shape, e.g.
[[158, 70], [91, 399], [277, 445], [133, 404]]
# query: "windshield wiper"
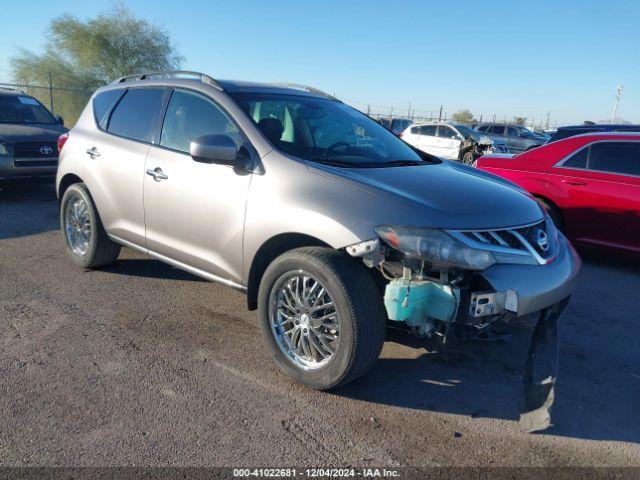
[[401, 163], [339, 163]]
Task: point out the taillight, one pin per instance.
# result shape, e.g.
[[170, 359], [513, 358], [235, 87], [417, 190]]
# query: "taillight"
[[62, 139]]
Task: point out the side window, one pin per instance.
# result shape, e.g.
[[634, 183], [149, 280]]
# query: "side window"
[[446, 132], [136, 115], [429, 130], [482, 128], [103, 103], [190, 115], [415, 130], [512, 131], [615, 157], [578, 159], [496, 129]]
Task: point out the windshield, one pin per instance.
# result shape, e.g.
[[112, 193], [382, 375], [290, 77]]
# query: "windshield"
[[326, 131], [23, 109], [468, 132]]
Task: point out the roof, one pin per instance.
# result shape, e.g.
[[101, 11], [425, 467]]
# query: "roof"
[[600, 126], [228, 86]]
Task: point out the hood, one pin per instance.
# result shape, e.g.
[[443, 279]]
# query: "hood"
[[446, 195], [13, 132]]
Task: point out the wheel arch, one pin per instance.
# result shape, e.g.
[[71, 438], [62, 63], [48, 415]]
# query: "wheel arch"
[[66, 181], [553, 205], [268, 251]]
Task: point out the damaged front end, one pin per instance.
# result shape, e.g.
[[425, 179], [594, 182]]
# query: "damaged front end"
[[460, 284], [474, 147]]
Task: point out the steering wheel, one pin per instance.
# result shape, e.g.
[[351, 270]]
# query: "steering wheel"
[[335, 146]]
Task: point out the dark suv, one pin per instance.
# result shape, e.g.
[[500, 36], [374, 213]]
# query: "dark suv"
[[517, 137], [28, 137], [570, 131]]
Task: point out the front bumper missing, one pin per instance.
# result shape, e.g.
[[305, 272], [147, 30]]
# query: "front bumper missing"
[[541, 370]]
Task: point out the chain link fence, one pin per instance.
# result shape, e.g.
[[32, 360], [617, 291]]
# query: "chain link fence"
[[68, 102]]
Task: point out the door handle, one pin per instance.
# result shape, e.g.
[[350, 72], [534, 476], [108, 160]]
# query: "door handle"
[[93, 152], [574, 182], [157, 174]]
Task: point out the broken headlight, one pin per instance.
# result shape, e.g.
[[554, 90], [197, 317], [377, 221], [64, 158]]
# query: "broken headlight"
[[435, 246]]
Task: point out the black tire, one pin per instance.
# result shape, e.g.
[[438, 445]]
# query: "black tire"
[[553, 211], [357, 301], [101, 250]]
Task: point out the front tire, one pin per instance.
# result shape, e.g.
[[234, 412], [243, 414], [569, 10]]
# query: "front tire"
[[84, 236], [321, 316]]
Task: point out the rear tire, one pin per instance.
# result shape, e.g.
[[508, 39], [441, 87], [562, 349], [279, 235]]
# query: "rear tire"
[[84, 235], [356, 317]]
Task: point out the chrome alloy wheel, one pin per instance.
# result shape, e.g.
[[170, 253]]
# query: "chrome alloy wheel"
[[304, 320], [77, 225]]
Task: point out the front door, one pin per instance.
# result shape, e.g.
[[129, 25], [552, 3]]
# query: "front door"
[[448, 142], [194, 212]]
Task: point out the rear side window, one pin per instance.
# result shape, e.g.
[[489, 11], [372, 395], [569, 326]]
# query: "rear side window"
[[578, 159], [512, 132], [615, 157], [415, 130], [103, 103], [496, 129], [446, 132], [190, 115], [136, 115], [429, 130], [482, 128]]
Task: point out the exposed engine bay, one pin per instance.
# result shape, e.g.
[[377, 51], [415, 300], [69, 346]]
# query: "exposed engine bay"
[[452, 303]]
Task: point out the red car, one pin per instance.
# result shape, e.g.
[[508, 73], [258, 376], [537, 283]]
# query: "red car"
[[589, 184]]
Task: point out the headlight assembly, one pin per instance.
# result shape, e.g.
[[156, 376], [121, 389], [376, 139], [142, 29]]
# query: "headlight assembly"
[[435, 246]]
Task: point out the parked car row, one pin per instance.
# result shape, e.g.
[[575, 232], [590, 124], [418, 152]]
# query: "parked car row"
[[453, 141]]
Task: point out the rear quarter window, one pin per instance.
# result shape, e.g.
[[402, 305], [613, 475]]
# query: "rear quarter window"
[[136, 115], [103, 103]]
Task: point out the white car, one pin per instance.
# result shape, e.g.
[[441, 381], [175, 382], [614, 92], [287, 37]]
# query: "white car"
[[452, 141]]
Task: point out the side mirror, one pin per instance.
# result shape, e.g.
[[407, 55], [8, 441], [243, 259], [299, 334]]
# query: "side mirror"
[[218, 149], [59, 119]]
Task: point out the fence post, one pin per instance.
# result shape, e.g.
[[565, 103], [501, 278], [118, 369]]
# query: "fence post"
[[51, 92]]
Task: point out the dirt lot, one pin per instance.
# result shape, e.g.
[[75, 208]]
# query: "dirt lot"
[[141, 364]]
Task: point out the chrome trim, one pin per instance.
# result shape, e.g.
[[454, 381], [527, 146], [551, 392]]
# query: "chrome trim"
[[483, 243], [182, 266]]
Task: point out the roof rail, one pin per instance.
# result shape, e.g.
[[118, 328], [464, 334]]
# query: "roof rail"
[[307, 89], [204, 78]]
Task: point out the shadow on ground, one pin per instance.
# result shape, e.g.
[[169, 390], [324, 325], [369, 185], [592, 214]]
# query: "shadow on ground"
[[148, 268], [27, 208]]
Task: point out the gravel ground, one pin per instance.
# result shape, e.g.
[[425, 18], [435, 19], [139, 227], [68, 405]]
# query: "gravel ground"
[[142, 364]]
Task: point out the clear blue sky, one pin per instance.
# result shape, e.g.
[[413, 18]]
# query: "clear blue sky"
[[492, 57]]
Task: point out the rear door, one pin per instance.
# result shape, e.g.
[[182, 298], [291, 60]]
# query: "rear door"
[[195, 213], [514, 141], [603, 185], [115, 156]]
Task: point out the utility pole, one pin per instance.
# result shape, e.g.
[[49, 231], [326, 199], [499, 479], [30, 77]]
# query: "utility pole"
[[440, 115], [409, 111], [51, 92], [619, 90], [548, 119]]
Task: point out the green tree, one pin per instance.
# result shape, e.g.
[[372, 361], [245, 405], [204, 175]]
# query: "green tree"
[[463, 116], [81, 55], [519, 120]]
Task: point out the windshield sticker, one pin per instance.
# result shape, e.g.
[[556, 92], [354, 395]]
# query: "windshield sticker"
[[28, 101]]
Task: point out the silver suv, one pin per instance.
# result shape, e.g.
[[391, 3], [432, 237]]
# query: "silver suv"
[[329, 223]]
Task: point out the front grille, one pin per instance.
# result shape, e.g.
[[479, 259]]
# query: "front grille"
[[536, 237], [39, 150]]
